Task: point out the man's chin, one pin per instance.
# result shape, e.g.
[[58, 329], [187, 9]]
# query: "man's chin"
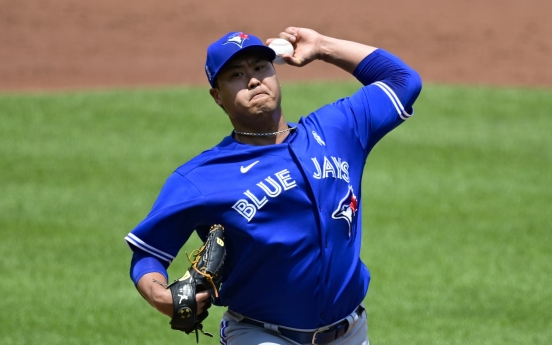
[[264, 108]]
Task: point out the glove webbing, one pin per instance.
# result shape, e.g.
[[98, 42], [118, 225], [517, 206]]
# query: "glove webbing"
[[196, 254]]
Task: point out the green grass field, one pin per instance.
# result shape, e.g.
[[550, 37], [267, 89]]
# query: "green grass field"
[[457, 213]]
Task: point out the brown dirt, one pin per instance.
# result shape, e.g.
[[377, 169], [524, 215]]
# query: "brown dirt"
[[63, 44]]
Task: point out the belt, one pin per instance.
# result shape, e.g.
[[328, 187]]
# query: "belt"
[[319, 337]]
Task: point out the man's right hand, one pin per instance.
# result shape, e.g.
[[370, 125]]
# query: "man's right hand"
[[306, 43], [310, 45]]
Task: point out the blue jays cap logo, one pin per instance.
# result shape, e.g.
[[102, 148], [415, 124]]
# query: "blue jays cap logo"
[[222, 50], [237, 38], [347, 208]]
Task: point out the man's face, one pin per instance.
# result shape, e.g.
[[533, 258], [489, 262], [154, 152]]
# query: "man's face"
[[247, 86]]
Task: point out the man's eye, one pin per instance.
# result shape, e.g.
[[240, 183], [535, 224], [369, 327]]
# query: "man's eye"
[[258, 68]]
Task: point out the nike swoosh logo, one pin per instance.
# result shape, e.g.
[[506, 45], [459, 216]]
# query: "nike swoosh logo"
[[246, 169]]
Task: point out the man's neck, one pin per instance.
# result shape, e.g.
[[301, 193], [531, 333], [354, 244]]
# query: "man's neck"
[[262, 135]]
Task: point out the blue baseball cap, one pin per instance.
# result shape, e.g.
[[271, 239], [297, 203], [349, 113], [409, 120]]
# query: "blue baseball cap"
[[220, 52]]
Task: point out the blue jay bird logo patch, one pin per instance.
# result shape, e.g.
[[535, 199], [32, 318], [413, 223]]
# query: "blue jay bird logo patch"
[[238, 38], [347, 208]]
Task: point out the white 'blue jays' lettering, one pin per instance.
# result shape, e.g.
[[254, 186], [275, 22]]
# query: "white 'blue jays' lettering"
[[339, 169], [249, 209]]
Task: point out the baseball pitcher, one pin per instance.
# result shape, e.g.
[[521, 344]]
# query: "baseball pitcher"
[[287, 196]]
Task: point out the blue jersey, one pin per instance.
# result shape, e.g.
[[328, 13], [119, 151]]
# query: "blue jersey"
[[291, 211]]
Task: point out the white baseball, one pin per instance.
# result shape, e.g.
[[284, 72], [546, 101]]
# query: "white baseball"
[[281, 46]]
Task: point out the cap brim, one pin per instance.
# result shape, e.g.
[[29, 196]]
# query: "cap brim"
[[267, 52]]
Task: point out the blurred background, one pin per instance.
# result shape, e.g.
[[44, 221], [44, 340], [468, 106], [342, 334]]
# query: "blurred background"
[[63, 44], [100, 101]]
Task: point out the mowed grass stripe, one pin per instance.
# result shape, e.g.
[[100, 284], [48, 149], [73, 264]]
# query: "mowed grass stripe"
[[456, 212]]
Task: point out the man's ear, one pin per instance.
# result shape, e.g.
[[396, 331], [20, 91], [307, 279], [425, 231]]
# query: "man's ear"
[[215, 94]]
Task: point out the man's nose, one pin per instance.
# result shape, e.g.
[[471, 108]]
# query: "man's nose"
[[253, 83]]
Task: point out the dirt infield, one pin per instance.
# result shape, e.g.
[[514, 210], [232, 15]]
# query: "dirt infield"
[[63, 44]]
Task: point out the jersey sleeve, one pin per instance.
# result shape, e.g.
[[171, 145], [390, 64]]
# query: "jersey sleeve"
[[170, 222], [385, 101], [143, 263]]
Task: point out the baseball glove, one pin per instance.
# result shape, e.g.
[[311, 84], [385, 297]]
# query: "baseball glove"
[[205, 274]]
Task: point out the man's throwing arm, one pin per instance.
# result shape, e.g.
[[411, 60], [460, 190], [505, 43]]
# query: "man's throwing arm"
[[368, 64]]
